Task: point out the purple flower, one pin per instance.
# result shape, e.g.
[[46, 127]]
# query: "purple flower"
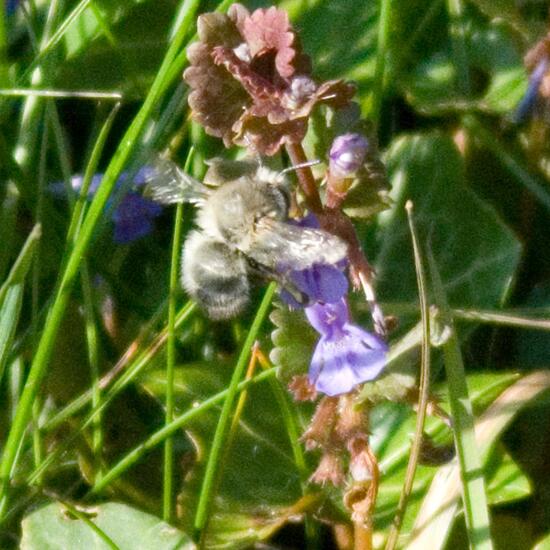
[[133, 217], [529, 101], [11, 6], [321, 282], [346, 355], [347, 155]]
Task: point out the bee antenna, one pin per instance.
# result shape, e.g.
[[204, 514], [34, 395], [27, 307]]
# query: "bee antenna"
[[301, 165]]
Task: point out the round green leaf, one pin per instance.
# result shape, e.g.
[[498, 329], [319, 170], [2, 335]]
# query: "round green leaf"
[[53, 527]]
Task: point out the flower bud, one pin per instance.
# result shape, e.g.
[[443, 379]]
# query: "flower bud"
[[347, 155], [329, 469]]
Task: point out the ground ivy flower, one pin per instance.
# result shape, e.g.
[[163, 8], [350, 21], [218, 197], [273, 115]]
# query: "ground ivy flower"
[[346, 355], [347, 155], [11, 6], [133, 217], [537, 63], [319, 283], [528, 104]]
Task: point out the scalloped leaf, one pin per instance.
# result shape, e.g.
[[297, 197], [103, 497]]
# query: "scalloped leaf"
[[399, 377], [367, 197], [293, 342]]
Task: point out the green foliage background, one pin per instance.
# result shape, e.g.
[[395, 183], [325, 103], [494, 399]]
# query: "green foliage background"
[[83, 456]]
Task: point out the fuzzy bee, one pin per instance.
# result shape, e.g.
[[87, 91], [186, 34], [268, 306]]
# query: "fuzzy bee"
[[243, 231]]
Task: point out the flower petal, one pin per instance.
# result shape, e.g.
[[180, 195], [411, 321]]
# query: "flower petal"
[[346, 355], [321, 283], [347, 154], [329, 372], [365, 361], [133, 216], [328, 319]]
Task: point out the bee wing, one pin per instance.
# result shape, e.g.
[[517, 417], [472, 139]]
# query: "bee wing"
[[167, 183], [280, 245]]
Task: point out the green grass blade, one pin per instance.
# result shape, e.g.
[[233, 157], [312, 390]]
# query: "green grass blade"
[[21, 266], [91, 167], [381, 55], [168, 491], [132, 363], [104, 537], [424, 385], [289, 418], [161, 435], [474, 497], [167, 507], [129, 375], [55, 316], [222, 429], [92, 342], [10, 308], [52, 41], [439, 507], [4, 63], [8, 228], [33, 106]]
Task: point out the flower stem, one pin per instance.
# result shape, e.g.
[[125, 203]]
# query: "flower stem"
[[305, 177], [336, 222], [362, 536], [424, 386]]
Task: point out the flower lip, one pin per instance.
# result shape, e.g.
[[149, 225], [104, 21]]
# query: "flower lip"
[[346, 355]]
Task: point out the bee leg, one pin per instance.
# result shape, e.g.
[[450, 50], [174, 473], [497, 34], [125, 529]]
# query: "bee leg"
[[282, 278]]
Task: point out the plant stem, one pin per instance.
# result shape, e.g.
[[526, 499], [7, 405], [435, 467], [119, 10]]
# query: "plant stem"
[[424, 386], [66, 280], [474, 496], [166, 431], [305, 177], [167, 509]]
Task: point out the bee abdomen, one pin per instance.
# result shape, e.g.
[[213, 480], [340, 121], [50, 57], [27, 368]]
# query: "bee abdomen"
[[215, 276]]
